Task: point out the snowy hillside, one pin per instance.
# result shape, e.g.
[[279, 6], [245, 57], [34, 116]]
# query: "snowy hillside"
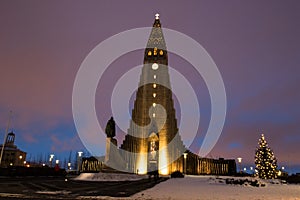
[[210, 187]]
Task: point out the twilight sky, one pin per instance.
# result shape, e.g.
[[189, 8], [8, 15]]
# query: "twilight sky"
[[256, 46]]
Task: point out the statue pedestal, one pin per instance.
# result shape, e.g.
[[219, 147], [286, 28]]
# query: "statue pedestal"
[[113, 158], [111, 146]]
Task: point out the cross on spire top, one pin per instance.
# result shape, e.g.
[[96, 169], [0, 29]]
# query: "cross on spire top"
[[156, 16]]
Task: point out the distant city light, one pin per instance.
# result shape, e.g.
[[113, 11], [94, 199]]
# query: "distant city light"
[[239, 160]]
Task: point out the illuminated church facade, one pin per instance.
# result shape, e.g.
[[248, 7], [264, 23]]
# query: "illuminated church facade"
[[152, 141]]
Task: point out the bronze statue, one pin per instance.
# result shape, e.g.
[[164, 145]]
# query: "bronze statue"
[[110, 129]]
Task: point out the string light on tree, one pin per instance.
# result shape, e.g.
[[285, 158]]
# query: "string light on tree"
[[265, 161]]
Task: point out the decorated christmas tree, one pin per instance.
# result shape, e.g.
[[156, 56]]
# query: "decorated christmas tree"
[[265, 161]]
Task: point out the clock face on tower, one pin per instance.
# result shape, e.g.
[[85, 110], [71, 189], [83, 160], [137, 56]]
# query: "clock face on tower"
[[154, 66]]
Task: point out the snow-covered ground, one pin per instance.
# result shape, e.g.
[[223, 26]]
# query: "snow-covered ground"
[[109, 177], [209, 187], [202, 187]]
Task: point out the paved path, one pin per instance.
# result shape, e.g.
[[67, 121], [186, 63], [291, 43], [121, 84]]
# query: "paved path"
[[59, 188]]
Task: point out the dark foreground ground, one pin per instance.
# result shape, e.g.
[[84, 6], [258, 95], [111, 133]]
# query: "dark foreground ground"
[[59, 188]]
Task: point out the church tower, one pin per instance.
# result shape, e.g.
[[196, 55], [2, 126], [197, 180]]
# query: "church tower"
[[153, 140]]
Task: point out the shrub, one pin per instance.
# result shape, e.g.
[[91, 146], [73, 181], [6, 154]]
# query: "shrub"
[[177, 174]]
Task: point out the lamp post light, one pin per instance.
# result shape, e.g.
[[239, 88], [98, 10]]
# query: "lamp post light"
[[79, 160], [184, 156], [69, 165], [51, 159], [282, 168], [251, 170], [20, 160], [240, 163], [56, 168]]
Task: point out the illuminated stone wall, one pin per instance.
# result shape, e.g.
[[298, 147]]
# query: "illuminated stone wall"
[[153, 113], [152, 138], [197, 165], [90, 164]]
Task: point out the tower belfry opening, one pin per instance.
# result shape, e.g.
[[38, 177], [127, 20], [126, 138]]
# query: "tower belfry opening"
[[10, 139]]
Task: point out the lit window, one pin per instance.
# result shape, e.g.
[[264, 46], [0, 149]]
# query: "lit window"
[[155, 51], [161, 52], [154, 95], [149, 53], [154, 85]]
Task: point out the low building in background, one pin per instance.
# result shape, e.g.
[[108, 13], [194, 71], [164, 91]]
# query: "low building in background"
[[90, 164], [197, 165], [11, 155]]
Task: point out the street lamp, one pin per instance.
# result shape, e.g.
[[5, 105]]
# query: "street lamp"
[[69, 165], [184, 156], [240, 163], [79, 160], [20, 161], [251, 170], [51, 159]]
